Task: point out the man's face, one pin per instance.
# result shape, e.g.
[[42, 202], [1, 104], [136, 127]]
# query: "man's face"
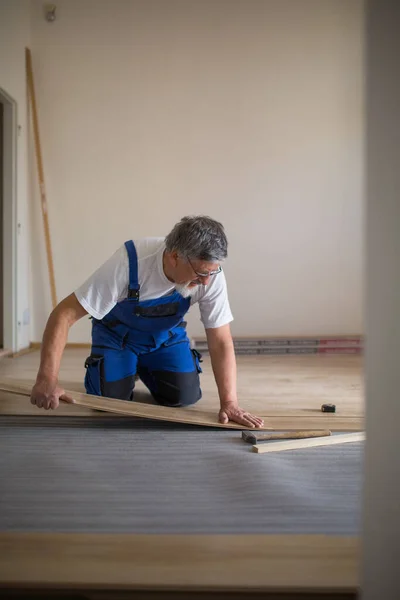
[[191, 273]]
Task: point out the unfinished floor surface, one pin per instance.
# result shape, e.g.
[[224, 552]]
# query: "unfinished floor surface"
[[116, 476], [130, 504]]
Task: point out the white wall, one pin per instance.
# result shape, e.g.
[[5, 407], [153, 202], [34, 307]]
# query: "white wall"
[[381, 534], [14, 37], [247, 110]]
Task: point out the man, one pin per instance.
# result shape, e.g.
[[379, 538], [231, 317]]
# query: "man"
[[137, 301]]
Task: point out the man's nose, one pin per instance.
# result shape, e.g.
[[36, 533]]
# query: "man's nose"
[[204, 280]]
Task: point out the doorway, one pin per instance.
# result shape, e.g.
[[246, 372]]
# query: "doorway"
[[1, 226], [8, 170]]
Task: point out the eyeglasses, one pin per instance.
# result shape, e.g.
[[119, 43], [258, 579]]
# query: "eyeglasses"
[[209, 274]]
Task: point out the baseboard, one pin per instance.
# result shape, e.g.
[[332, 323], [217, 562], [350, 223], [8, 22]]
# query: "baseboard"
[[70, 345], [23, 351], [338, 344], [35, 347]]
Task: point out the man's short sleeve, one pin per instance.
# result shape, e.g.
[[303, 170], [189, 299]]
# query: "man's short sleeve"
[[107, 286], [214, 305]]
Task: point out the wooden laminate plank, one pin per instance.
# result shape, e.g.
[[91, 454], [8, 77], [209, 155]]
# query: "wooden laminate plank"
[[195, 562], [253, 436], [309, 443], [274, 420], [134, 409], [332, 422]]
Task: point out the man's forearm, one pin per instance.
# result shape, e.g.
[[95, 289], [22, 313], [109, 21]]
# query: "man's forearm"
[[223, 362], [54, 340], [55, 336]]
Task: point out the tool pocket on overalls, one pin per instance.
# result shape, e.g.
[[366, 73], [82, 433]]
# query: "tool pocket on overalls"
[[94, 377], [197, 359], [157, 310]]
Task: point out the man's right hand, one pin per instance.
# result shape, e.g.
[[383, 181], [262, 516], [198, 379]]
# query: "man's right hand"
[[47, 394]]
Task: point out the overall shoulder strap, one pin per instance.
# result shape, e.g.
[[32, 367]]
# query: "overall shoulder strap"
[[134, 287]]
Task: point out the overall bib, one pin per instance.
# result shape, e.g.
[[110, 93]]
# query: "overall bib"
[[145, 338]]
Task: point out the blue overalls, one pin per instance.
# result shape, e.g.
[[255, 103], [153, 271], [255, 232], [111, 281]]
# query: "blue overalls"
[[145, 338]]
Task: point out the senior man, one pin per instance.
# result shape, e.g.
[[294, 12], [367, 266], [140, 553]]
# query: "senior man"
[[137, 301]]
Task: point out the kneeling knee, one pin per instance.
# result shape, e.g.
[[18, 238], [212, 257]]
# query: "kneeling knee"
[[186, 397], [178, 389]]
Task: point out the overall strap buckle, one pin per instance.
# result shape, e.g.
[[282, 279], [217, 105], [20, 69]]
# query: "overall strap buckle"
[[133, 294]]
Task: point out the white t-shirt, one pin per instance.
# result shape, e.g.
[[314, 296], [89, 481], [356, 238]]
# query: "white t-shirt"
[[109, 285]]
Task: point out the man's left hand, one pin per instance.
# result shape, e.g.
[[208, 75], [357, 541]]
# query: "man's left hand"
[[237, 415]]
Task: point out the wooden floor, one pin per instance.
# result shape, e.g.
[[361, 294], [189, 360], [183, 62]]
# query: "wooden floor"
[[207, 563], [267, 385]]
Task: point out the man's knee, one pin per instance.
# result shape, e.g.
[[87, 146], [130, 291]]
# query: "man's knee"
[[175, 389]]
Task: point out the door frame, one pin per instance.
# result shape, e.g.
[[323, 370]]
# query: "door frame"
[[9, 221]]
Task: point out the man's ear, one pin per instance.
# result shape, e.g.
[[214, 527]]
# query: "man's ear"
[[174, 257]]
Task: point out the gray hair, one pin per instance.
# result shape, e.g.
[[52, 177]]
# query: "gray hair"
[[198, 238]]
